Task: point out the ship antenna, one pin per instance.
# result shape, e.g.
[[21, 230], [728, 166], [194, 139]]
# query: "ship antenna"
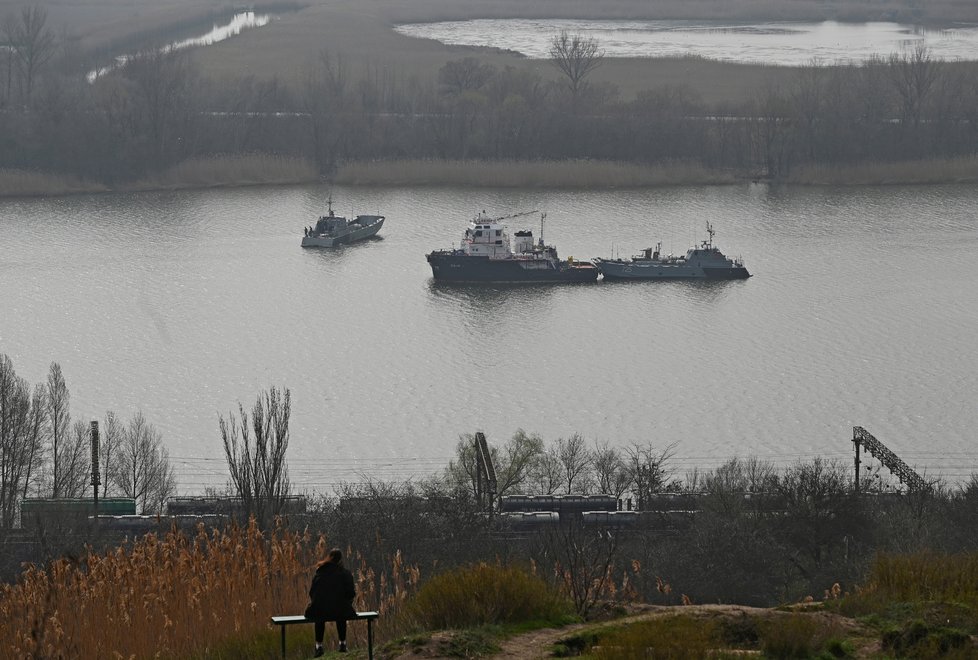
[[709, 230], [542, 218]]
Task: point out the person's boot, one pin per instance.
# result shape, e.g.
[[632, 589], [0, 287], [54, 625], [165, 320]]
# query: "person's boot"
[[342, 648], [318, 653]]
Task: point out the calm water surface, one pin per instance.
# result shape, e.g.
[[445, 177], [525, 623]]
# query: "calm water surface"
[[784, 43], [862, 310]]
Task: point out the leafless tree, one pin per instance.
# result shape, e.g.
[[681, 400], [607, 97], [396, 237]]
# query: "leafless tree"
[[583, 560], [610, 470], [259, 473], [465, 75], [163, 86], [649, 470], [913, 75], [141, 468], [21, 426], [75, 461], [547, 472], [575, 56], [58, 427], [32, 46], [112, 433], [576, 463]]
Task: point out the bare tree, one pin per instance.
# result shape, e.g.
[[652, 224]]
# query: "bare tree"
[[141, 469], [32, 45], [649, 470], [913, 75], [465, 75], [75, 462], [576, 462], [259, 474], [58, 426], [163, 84], [21, 424], [547, 471], [610, 471], [112, 434], [575, 56]]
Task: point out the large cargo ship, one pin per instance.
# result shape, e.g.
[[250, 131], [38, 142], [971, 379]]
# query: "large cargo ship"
[[486, 255], [703, 262]]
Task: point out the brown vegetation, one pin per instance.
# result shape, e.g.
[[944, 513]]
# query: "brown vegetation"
[[177, 595], [527, 174]]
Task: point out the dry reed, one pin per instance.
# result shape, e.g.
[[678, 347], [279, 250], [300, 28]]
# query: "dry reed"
[[528, 174], [252, 169], [20, 183], [931, 171], [178, 595]]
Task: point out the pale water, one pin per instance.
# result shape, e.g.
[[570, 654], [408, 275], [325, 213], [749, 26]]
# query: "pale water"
[[862, 310], [783, 43]]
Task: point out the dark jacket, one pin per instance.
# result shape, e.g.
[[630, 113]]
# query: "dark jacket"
[[331, 593]]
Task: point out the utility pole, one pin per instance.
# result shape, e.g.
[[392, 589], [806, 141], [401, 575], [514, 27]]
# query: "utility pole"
[[96, 480]]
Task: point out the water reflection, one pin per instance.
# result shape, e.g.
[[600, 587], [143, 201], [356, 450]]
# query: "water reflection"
[[239, 22], [784, 43]]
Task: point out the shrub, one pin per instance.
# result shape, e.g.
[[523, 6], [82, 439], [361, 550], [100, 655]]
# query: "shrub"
[[669, 638], [484, 594]]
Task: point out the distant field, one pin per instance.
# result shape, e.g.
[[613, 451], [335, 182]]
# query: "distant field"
[[360, 31]]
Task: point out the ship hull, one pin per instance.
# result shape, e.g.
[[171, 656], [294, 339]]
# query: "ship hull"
[[461, 268], [630, 270], [328, 240]]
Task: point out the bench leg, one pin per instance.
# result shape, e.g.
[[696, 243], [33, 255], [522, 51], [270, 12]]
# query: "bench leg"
[[370, 639], [283, 641]]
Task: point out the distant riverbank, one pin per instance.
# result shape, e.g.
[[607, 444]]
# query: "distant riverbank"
[[584, 174]]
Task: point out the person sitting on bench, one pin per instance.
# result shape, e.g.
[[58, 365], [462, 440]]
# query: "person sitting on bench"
[[331, 596]]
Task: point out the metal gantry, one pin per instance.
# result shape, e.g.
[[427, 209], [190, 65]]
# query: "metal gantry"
[[485, 472], [879, 451]]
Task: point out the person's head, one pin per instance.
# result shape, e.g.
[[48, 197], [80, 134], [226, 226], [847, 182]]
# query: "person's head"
[[334, 556]]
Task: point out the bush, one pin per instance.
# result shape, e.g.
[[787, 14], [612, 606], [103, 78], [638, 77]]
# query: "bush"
[[484, 594], [671, 638]]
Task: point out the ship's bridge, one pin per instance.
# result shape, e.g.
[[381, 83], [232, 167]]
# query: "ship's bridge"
[[486, 237]]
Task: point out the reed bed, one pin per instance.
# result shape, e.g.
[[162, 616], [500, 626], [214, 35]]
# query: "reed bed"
[[245, 170], [930, 171], [528, 174], [20, 183], [926, 577], [180, 595]]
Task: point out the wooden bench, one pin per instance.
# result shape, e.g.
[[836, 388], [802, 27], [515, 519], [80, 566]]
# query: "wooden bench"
[[284, 621]]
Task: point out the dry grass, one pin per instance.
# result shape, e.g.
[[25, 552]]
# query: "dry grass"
[[528, 174], [231, 171], [178, 596], [941, 170], [15, 183]]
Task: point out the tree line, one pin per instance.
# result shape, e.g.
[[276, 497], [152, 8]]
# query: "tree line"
[[44, 454], [159, 110], [756, 534]]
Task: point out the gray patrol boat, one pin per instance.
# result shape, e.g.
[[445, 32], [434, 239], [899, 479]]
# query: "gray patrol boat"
[[703, 262], [332, 230]]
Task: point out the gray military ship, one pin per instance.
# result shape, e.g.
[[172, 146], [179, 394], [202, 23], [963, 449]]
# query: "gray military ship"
[[703, 262], [331, 230]]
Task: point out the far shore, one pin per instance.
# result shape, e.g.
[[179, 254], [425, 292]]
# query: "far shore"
[[577, 174]]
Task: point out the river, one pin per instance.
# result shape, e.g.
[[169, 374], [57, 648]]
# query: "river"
[[862, 311], [774, 42]]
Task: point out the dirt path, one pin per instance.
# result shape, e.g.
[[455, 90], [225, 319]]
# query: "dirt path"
[[539, 643]]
